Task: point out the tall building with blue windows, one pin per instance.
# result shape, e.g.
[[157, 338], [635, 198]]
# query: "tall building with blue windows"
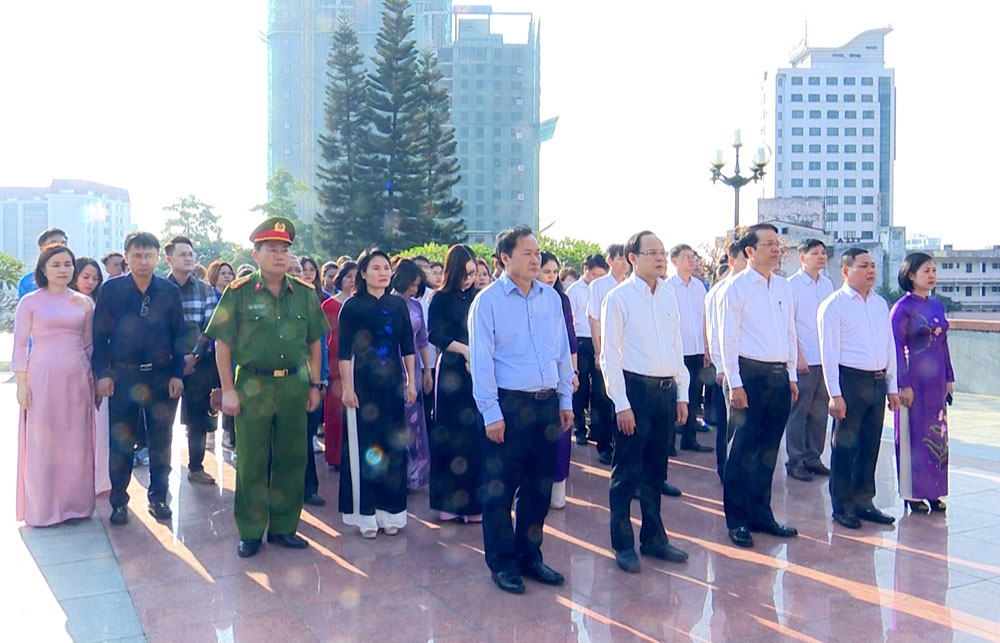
[[835, 134]]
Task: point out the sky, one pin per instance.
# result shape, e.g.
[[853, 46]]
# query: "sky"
[[170, 99]]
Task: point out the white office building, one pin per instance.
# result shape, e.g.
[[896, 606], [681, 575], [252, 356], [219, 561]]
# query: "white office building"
[[835, 134]]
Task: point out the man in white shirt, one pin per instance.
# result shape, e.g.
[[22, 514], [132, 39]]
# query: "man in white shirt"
[[594, 267], [737, 262], [643, 363], [758, 354], [805, 432], [690, 294], [858, 354], [602, 418]]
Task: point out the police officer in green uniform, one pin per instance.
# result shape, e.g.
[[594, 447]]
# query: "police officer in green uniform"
[[269, 325]]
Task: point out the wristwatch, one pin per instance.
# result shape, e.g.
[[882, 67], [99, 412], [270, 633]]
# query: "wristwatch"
[[316, 385]]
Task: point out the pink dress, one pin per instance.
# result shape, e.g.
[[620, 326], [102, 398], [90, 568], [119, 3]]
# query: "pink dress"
[[57, 434]]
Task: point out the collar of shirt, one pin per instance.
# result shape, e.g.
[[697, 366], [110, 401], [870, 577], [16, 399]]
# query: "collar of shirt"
[[260, 285], [509, 286], [153, 283]]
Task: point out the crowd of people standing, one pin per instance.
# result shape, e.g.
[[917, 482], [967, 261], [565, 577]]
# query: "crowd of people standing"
[[472, 377]]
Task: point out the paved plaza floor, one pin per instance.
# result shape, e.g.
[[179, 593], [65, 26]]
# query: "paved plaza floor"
[[927, 578]]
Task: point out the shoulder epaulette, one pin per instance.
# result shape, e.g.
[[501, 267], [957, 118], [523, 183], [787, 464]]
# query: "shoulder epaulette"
[[242, 281], [304, 283]]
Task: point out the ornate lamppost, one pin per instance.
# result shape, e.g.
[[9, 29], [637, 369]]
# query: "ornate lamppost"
[[737, 180]]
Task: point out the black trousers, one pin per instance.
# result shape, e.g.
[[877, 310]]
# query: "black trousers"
[[694, 364], [746, 489], [196, 409], [140, 397], [856, 440], [520, 467], [602, 410], [640, 461], [723, 432], [584, 394], [313, 421]]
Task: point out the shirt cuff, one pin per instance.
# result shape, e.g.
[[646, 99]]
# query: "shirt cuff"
[[565, 402], [735, 381], [682, 394], [621, 403], [492, 414], [793, 374], [833, 388]]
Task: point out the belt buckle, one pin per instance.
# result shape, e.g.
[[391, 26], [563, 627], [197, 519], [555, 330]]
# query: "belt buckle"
[[145, 368], [541, 395], [879, 375], [778, 368], [666, 383], [282, 372]]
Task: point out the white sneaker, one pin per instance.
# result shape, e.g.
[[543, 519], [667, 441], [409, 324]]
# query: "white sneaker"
[[558, 495]]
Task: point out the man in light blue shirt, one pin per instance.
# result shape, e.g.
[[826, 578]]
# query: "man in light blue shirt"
[[522, 380]]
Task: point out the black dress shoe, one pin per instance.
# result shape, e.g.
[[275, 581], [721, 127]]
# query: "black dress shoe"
[[670, 490], [848, 520], [874, 515], [604, 457], [666, 552], [248, 548], [292, 541], [314, 500], [543, 574], [819, 469], [697, 448], [704, 427], [741, 537], [799, 472], [581, 439], [509, 582], [776, 529], [628, 561], [160, 511], [119, 515]]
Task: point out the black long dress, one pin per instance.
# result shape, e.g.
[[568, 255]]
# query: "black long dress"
[[375, 332], [455, 441]]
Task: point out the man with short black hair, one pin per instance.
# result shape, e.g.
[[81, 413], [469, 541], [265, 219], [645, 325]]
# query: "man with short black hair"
[[594, 267], [114, 264], [47, 237], [858, 354], [758, 351], [805, 432], [522, 380], [139, 361], [601, 410], [200, 373]]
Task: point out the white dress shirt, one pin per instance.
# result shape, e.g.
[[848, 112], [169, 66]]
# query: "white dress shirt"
[[857, 333], [713, 327], [599, 289], [579, 296], [757, 323], [691, 303], [641, 333], [807, 295]]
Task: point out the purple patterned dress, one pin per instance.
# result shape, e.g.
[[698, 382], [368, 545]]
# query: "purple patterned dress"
[[924, 364], [417, 450]]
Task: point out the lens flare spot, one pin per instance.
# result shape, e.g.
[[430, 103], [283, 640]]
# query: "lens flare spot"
[[350, 598], [373, 456], [459, 465]]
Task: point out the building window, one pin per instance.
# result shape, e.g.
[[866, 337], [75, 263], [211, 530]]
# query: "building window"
[[833, 131], [850, 200], [850, 165], [781, 81], [796, 98], [796, 131], [832, 183], [777, 183], [867, 183], [832, 149], [796, 165], [815, 113], [833, 165], [831, 216], [848, 80], [850, 183], [849, 216], [868, 114], [866, 81], [868, 166], [796, 113], [814, 165], [850, 114], [850, 131], [850, 149], [831, 80], [867, 234], [796, 149], [968, 291], [867, 200], [815, 131], [815, 149], [813, 98], [832, 113], [779, 132], [867, 216], [868, 131], [868, 149], [814, 80], [831, 98], [796, 80], [814, 183], [831, 200], [796, 183]]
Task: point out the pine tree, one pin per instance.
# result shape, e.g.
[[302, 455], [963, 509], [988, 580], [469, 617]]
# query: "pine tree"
[[393, 140], [347, 189], [436, 145]]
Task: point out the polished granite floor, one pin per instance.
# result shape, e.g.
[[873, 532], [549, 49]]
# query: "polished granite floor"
[[928, 578]]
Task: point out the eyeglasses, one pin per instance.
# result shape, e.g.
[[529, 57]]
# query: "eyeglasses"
[[653, 253], [144, 309]]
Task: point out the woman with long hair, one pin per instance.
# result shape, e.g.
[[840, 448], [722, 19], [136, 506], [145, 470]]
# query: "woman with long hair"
[[374, 350], [549, 275], [55, 392], [926, 382], [455, 438], [333, 407], [311, 274], [87, 281], [484, 276], [408, 282]]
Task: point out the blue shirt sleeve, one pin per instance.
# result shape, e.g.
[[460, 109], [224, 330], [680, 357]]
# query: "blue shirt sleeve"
[[177, 333], [482, 345], [324, 369], [26, 285], [103, 323]]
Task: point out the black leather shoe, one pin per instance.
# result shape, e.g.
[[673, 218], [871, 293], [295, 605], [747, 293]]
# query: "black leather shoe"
[[292, 541], [160, 511], [314, 500], [119, 515], [776, 529], [704, 427], [509, 582], [628, 561], [874, 515], [670, 490], [581, 439], [543, 574], [248, 548], [799, 472], [666, 552], [697, 448], [819, 469], [741, 537], [604, 457], [848, 520]]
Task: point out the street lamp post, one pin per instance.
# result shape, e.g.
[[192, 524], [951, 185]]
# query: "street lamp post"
[[737, 180]]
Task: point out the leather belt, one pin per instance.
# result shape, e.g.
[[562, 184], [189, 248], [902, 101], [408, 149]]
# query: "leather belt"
[[877, 375], [777, 367], [146, 367], [534, 395], [656, 382], [279, 372]]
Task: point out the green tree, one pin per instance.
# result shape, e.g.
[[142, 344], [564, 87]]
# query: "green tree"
[[393, 140], [571, 252], [196, 220], [11, 269], [347, 189], [437, 251], [436, 145], [282, 189]]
